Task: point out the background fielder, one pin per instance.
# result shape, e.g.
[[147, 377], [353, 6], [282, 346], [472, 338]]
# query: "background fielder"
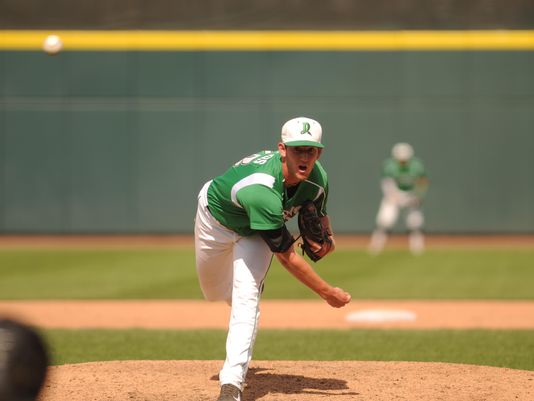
[[404, 184], [240, 223]]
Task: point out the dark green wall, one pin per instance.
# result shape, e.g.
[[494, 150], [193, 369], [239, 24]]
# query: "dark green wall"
[[122, 142], [267, 14]]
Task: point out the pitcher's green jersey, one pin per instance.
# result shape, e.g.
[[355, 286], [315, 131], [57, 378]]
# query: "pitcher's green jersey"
[[405, 175], [251, 196]]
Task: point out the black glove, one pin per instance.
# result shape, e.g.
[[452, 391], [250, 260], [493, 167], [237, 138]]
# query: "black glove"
[[316, 241]]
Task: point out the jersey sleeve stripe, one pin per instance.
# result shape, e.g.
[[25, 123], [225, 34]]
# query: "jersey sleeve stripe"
[[256, 178]]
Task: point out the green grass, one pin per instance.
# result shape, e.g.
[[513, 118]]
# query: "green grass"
[[501, 348], [170, 274], [98, 274], [443, 274]]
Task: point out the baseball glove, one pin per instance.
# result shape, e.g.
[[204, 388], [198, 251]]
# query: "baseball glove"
[[316, 241]]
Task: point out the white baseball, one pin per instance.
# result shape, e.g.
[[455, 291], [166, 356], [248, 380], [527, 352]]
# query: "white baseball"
[[52, 44]]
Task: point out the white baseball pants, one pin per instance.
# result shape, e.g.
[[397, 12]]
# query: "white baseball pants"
[[387, 216], [231, 268]]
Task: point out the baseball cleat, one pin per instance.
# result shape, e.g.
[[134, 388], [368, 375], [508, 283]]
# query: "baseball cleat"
[[229, 392]]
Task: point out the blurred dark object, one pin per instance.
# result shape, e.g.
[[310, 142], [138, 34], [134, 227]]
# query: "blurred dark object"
[[23, 361], [268, 14]]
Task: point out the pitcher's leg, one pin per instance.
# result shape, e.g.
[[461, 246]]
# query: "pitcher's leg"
[[252, 258], [214, 246]]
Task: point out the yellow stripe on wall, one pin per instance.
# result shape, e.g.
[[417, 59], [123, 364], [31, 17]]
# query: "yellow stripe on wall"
[[273, 40]]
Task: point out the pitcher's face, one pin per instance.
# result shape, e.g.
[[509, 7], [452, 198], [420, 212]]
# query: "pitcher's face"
[[298, 162]]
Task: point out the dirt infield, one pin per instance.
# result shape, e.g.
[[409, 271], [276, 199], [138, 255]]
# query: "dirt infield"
[[289, 381], [275, 314]]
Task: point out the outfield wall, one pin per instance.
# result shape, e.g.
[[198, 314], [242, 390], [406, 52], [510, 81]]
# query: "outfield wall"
[[121, 141], [267, 14]]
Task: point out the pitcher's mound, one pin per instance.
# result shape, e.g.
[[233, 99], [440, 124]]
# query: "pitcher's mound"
[[288, 381]]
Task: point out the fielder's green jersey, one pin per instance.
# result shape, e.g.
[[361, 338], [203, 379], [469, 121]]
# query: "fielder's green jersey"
[[251, 196], [405, 175]]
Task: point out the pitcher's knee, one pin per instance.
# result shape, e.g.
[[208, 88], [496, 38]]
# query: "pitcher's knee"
[[217, 296]]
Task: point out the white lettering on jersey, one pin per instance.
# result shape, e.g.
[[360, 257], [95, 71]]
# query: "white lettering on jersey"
[[246, 160], [263, 159]]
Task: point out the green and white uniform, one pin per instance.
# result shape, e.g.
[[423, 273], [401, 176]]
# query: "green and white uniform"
[[232, 259], [251, 196], [402, 188], [405, 175]]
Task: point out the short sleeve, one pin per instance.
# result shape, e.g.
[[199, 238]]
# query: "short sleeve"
[[389, 169], [420, 169], [263, 207]]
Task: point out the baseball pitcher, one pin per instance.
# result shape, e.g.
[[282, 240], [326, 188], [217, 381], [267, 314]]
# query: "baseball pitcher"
[[240, 224]]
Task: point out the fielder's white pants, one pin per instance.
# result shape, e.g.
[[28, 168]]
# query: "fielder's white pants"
[[231, 268], [390, 206], [387, 216]]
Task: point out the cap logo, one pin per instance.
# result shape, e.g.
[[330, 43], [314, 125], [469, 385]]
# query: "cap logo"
[[306, 129]]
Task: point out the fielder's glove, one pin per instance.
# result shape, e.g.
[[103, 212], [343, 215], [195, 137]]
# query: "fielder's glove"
[[316, 241]]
